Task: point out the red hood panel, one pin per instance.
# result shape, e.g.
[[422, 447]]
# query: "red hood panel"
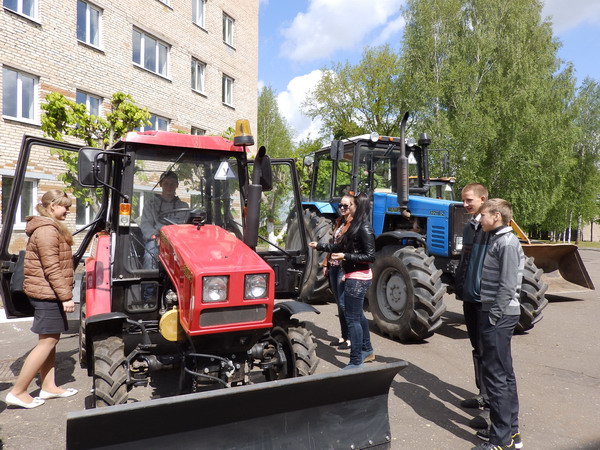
[[210, 249]]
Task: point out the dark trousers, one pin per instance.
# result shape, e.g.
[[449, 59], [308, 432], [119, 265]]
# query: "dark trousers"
[[499, 377], [358, 325], [337, 286], [472, 312]]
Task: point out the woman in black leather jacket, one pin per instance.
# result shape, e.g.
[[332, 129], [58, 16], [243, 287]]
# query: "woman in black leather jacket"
[[356, 251]]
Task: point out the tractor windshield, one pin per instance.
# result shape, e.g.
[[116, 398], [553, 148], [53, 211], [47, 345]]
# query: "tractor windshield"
[[171, 187]]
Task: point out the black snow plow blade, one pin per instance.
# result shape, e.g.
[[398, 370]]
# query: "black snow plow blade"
[[563, 268], [342, 409]]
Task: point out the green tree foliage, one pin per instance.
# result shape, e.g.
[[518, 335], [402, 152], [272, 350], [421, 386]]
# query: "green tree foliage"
[[353, 100], [483, 78], [579, 203], [63, 117]]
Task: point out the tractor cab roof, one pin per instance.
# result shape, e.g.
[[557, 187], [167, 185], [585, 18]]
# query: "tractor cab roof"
[[170, 139]]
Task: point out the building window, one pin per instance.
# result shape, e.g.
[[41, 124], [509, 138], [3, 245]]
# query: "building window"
[[150, 53], [25, 7], [228, 24], [26, 200], [156, 123], [198, 69], [88, 23], [227, 90], [198, 12], [198, 131], [84, 213], [91, 102], [19, 94]]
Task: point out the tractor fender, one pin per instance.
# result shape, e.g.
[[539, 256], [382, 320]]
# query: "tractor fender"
[[399, 237], [283, 311], [106, 323]]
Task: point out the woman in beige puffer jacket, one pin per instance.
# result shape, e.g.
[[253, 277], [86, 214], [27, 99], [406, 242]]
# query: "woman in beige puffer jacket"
[[49, 285]]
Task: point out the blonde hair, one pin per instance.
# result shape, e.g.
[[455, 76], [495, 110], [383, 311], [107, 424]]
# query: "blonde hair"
[[478, 189], [498, 205], [56, 197]]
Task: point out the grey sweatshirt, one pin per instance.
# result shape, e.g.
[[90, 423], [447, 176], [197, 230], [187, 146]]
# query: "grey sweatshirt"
[[502, 274]]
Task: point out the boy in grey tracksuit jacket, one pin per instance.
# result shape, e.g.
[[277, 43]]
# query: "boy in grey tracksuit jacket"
[[500, 311]]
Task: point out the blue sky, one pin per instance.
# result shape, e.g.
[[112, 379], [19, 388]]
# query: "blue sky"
[[297, 38]]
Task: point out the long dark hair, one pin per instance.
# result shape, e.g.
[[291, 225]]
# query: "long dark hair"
[[363, 208]]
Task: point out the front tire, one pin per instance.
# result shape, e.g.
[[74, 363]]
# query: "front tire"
[[299, 353], [110, 371], [533, 299], [319, 229], [406, 297]]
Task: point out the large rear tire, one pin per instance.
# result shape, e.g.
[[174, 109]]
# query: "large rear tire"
[[319, 229], [110, 371], [406, 297], [533, 299]]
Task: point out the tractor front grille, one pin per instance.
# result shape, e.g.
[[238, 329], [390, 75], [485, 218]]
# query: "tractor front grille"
[[225, 316]]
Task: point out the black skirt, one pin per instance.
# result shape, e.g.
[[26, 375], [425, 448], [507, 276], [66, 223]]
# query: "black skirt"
[[49, 317]]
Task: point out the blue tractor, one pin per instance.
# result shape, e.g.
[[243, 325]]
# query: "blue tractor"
[[418, 233]]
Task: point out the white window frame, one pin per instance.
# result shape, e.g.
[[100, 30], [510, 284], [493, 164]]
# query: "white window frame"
[[227, 90], [157, 55], [34, 107], [89, 212], [199, 13], [19, 9], [198, 75], [87, 102], [197, 131], [228, 29], [155, 119], [20, 225], [89, 9]]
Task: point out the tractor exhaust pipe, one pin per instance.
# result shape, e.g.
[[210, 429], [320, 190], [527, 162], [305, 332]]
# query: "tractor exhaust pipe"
[[402, 181]]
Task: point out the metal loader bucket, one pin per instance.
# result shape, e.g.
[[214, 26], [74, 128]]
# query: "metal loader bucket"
[[563, 268], [342, 409]]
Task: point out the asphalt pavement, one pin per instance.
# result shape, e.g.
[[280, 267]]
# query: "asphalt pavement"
[[557, 365]]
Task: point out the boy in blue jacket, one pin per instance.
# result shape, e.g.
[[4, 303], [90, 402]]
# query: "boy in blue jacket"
[[500, 310]]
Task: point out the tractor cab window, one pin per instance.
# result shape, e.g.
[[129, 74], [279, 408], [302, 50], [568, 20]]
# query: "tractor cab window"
[[377, 167], [324, 176], [171, 187]]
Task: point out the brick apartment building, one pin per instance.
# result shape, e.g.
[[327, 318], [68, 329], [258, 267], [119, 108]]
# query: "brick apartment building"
[[192, 63]]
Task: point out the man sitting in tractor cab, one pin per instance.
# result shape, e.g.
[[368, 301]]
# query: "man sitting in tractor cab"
[[159, 204]]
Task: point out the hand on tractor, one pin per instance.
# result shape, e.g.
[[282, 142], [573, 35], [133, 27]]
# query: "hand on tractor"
[[312, 244]]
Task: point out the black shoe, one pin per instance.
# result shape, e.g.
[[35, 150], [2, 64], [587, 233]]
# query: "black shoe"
[[344, 345], [482, 420], [488, 446], [337, 342], [475, 402], [484, 435]]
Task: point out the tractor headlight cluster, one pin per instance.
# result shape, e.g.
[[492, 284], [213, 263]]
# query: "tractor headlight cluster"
[[214, 289], [255, 286], [458, 243]]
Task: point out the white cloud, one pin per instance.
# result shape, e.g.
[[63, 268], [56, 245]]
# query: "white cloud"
[[290, 101], [330, 25], [389, 30], [261, 85], [569, 14]]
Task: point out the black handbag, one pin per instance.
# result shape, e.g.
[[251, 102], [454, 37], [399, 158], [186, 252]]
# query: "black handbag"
[[18, 275]]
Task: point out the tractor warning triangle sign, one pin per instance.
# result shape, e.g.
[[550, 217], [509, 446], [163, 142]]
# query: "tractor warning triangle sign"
[[224, 172]]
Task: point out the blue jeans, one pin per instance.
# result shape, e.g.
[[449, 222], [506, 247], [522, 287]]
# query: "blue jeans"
[[358, 326], [150, 255], [337, 286]]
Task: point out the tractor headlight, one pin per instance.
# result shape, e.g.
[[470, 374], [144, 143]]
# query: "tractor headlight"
[[255, 286], [214, 289]]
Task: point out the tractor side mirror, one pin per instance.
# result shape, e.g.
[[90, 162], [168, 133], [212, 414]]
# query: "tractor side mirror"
[[337, 150], [91, 168], [266, 173], [309, 160]]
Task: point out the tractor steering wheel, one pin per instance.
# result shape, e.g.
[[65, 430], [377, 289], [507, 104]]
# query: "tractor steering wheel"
[[162, 216]]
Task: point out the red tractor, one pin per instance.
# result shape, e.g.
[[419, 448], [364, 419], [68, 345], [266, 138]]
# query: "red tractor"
[[205, 305]]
